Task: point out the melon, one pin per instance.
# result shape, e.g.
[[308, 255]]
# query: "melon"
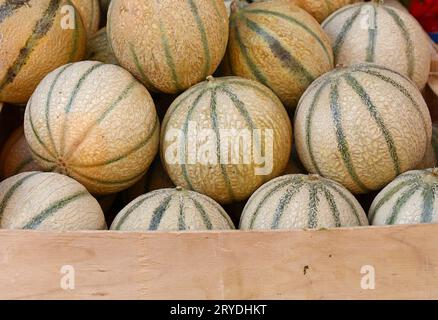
[[225, 137], [156, 178], [169, 45], [279, 45], [89, 11], [409, 199], [98, 48], [172, 210], [94, 122], [16, 157], [304, 202], [34, 43], [49, 202], [372, 32], [362, 126]]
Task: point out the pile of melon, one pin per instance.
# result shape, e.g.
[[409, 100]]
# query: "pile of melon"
[[178, 115]]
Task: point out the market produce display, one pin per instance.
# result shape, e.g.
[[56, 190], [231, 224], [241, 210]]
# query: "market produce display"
[[373, 32], [409, 199], [227, 107], [168, 45], [15, 156], [75, 123], [172, 210], [292, 114], [301, 201], [34, 43], [48, 201], [362, 126], [279, 45]]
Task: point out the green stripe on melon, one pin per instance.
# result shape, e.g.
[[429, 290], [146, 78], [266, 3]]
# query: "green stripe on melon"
[[8, 7], [40, 30], [358, 125], [172, 210], [409, 199], [300, 201]]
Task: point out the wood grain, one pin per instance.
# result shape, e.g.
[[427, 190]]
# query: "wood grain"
[[322, 264]]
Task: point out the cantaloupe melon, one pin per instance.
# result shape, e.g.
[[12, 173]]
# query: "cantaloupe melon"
[[409, 199], [362, 126], [172, 210], [225, 137], [169, 45], [280, 45], [34, 43], [372, 32], [301, 201], [16, 157], [90, 14], [98, 48], [156, 178], [94, 122], [48, 201]]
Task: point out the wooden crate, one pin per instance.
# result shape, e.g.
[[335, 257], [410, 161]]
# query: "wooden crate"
[[323, 264]]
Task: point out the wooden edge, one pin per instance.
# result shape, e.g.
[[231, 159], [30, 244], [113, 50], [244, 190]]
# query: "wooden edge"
[[399, 262]]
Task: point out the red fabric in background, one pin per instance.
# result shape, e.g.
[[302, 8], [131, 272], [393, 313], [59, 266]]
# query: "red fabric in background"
[[426, 12]]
